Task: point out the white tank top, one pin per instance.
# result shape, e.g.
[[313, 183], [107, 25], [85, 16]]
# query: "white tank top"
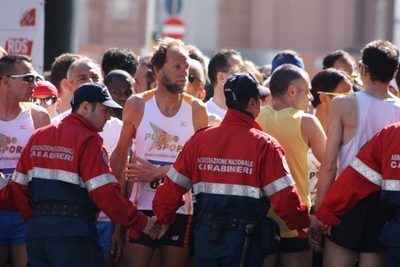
[[373, 115], [159, 140], [13, 137], [213, 108]]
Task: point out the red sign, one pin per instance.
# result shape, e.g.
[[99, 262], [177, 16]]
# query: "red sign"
[[174, 28], [19, 46], [28, 18]]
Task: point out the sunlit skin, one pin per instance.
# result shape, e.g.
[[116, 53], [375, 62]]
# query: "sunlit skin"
[[344, 66], [322, 110], [120, 88], [303, 94], [97, 117], [175, 71], [193, 87], [20, 90], [52, 109], [140, 79], [84, 73]]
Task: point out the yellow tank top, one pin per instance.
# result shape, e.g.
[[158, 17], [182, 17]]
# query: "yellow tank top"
[[285, 126]]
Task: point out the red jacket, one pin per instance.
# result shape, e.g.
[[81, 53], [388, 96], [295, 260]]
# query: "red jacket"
[[376, 167], [232, 168], [66, 163]]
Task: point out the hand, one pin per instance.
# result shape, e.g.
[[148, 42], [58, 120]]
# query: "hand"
[[152, 229], [143, 172], [315, 240], [163, 230], [317, 226], [116, 242]]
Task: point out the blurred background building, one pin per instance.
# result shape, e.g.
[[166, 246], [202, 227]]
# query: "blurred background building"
[[256, 28]]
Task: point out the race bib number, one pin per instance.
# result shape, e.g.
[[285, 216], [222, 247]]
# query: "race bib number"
[[152, 186]]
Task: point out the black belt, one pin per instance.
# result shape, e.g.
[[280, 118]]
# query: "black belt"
[[233, 223], [64, 209]]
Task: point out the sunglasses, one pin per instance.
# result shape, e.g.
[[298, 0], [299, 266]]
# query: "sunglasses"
[[361, 63], [28, 78], [333, 93], [49, 101], [191, 79], [353, 78]]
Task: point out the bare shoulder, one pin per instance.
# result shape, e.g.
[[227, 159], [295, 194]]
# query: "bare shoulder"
[[199, 112], [310, 125], [40, 116], [343, 104], [308, 120], [133, 110]]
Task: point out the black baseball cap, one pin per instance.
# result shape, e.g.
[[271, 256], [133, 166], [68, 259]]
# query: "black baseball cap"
[[241, 87], [93, 92]]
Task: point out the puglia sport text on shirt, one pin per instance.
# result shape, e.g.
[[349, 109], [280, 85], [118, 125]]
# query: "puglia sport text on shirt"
[[52, 152], [225, 165]]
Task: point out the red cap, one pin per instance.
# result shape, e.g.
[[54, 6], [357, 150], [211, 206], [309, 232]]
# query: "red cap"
[[45, 88]]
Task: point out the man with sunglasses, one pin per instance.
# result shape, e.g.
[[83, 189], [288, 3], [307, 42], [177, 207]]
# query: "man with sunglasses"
[[353, 120], [18, 121], [46, 95]]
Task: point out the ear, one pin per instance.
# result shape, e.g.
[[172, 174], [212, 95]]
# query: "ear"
[[58, 103], [202, 93], [323, 98], [67, 86], [6, 81], [221, 77], [153, 85], [85, 107], [291, 91], [157, 71]]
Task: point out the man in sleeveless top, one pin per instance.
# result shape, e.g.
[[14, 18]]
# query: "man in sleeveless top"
[[17, 123], [353, 120], [161, 121], [296, 131]]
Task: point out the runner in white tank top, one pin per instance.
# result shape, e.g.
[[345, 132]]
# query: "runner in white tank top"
[[159, 139]]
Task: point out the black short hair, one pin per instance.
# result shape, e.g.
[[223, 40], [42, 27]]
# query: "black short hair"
[[381, 59], [119, 58], [326, 81], [7, 63], [196, 54], [286, 54], [150, 77], [60, 67], [219, 63], [338, 55]]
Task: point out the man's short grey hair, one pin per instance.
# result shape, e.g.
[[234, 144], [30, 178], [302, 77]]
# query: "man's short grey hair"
[[283, 77]]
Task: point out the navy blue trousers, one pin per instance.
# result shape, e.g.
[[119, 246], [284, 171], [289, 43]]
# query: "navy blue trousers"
[[64, 252], [227, 262]]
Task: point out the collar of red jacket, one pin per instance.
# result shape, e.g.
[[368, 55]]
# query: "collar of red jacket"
[[234, 116], [79, 119]]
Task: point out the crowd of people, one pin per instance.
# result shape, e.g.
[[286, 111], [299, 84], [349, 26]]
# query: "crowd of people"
[[174, 159]]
